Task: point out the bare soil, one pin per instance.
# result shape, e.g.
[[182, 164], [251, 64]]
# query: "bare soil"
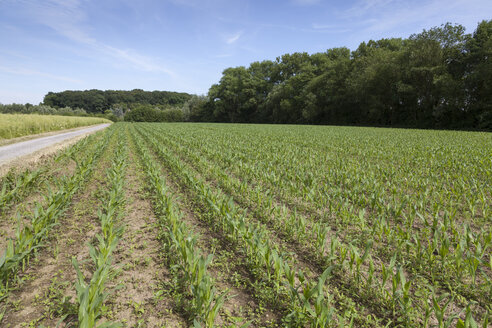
[[135, 303]]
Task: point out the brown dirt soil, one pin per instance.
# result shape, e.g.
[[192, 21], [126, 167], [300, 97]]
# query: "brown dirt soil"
[[138, 255]]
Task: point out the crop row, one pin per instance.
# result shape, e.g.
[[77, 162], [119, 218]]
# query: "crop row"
[[91, 291], [473, 245], [380, 220], [29, 237], [323, 248], [393, 236], [346, 260], [17, 185], [307, 302], [180, 246], [14, 190]]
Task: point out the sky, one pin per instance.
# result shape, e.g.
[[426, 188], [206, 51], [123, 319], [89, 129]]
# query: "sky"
[[184, 45]]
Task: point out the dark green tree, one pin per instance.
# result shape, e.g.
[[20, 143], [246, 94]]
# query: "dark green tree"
[[479, 76]]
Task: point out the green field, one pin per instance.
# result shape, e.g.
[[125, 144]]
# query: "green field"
[[267, 225], [18, 125]]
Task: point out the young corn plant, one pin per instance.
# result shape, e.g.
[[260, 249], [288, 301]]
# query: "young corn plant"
[[253, 237], [294, 225], [91, 295], [440, 305], [470, 321], [29, 238], [14, 190], [180, 243], [312, 306]]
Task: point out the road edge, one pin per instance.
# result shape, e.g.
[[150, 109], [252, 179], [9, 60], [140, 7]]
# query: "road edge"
[[37, 157]]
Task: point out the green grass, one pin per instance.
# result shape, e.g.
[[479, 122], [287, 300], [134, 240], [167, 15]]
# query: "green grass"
[[18, 125]]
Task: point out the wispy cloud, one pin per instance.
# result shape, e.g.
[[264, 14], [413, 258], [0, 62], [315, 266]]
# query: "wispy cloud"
[[232, 39], [67, 18], [373, 19], [139, 61], [363, 7], [29, 72], [14, 54], [387, 15]]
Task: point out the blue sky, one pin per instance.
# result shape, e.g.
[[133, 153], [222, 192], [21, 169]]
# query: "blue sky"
[[184, 45]]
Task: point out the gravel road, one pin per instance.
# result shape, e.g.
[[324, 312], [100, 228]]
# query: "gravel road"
[[12, 151]]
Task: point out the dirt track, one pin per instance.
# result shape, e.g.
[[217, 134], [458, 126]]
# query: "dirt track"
[[21, 153]]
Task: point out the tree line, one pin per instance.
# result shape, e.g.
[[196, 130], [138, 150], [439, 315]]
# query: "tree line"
[[99, 101], [439, 78], [40, 109]]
